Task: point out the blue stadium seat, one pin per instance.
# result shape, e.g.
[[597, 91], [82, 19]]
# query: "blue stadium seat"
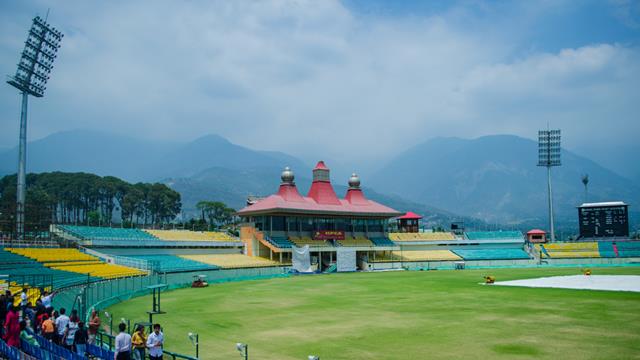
[[382, 241], [494, 235], [625, 248], [279, 241], [171, 263], [492, 254]]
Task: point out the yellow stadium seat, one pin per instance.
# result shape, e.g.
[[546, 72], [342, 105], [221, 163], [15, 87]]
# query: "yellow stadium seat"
[[426, 255], [422, 236], [188, 235], [76, 261], [232, 260]]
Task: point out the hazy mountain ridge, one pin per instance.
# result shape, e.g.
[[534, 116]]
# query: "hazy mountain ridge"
[[495, 178], [138, 160]]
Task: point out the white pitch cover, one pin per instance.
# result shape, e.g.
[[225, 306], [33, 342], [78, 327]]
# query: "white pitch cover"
[[346, 259]]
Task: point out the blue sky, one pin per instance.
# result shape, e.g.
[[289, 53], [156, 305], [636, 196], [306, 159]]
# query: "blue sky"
[[353, 81]]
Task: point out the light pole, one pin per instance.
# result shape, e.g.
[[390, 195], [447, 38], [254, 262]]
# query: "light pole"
[[195, 341], [34, 67], [243, 349], [549, 156]]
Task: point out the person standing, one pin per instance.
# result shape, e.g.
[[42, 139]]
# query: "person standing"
[[12, 327], [139, 342], [24, 335], [154, 343], [80, 340], [24, 299], [46, 299], [94, 326], [123, 344], [48, 329], [61, 326], [70, 332], [3, 312]]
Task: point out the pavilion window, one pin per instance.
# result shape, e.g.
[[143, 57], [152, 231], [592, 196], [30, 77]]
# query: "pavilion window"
[[259, 223], [307, 224], [374, 225], [278, 223]]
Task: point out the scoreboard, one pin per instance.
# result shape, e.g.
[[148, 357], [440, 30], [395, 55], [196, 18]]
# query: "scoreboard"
[[599, 220]]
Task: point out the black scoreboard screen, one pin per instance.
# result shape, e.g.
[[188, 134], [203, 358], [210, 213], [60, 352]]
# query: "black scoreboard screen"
[[597, 221]]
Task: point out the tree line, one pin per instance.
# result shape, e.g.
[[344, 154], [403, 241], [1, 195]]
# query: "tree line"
[[86, 199]]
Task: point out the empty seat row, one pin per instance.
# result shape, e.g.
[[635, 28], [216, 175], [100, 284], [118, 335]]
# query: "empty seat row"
[[493, 235], [569, 250], [279, 241], [619, 248], [188, 235], [355, 241], [425, 255], [173, 263], [382, 241], [492, 254], [422, 236], [232, 260], [93, 232]]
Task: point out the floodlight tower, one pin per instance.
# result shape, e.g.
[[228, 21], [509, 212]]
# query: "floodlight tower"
[[31, 78], [549, 156]]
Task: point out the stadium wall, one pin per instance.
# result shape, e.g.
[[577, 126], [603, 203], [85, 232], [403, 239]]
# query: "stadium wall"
[[470, 264]]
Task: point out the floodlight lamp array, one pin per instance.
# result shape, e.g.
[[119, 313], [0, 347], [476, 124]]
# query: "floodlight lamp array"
[[38, 55], [549, 148]]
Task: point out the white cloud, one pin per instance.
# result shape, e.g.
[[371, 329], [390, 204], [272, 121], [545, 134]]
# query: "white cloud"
[[315, 80]]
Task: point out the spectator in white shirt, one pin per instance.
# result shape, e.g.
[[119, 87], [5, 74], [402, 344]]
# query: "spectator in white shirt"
[[123, 344], [154, 343], [46, 299], [24, 300], [61, 325]]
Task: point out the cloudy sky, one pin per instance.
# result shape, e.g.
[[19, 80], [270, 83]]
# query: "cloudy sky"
[[348, 80]]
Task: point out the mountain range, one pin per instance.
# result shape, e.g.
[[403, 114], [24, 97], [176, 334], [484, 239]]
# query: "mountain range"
[[495, 178], [138, 160], [488, 180]]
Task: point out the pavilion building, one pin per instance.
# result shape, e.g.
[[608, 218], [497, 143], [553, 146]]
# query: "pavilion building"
[[322, 220]]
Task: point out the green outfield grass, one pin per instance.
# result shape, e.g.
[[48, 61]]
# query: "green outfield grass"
[[401, 315]]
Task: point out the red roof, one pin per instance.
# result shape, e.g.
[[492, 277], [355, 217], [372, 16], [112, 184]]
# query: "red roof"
[[277, 203], [321, 165], [321, 199], [322, 192], [410, 216], [536, 232]]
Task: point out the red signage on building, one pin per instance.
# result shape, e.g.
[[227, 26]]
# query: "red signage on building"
[[328, 235]]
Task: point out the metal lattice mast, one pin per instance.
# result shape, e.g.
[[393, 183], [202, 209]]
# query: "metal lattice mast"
[[549, 156], [31, 77]]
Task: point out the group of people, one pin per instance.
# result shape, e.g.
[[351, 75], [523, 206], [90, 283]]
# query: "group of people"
[[21, 322], [134, 347]]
